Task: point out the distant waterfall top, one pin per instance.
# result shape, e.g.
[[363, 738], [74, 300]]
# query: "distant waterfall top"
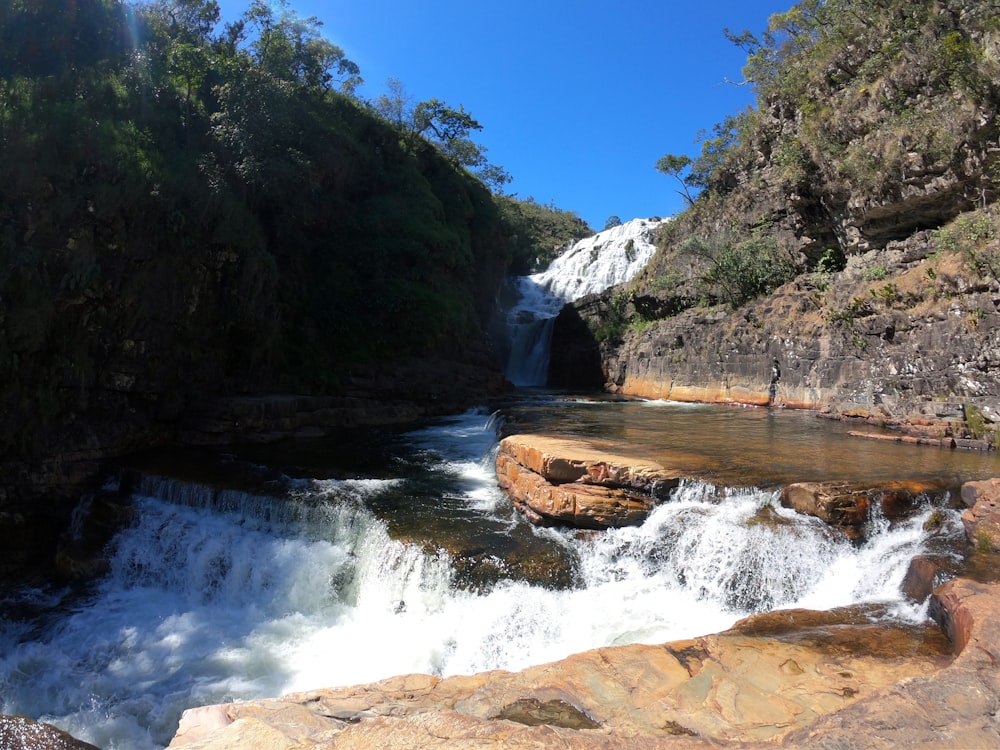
[[592, 265], [596, 263]]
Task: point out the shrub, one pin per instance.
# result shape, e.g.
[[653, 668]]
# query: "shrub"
[[740, 270]]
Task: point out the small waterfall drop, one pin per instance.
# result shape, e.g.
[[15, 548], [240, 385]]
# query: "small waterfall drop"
[[215, 595], [592, 265]]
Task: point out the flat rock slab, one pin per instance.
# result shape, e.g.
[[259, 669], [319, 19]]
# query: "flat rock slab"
[[794, 679], [982, 517], [584, 483]]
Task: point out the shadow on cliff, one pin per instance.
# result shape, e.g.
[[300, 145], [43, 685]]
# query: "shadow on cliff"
[[575, 358]]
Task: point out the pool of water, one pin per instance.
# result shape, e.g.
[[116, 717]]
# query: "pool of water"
[[747, 446]]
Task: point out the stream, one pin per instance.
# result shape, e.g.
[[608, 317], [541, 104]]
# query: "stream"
[[257, 571]]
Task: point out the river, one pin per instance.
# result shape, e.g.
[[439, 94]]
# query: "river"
[[256, 571]]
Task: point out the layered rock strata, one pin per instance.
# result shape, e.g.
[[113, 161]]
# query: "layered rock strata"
[[581, 483], [903, 339], [790, 679]]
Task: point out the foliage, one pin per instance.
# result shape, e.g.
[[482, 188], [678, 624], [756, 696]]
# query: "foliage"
[[612, 222], [742, 268], [831, 260], [674, 165], [976, 235], [438, 123], [866, 84], [186, 212], [539, 233]]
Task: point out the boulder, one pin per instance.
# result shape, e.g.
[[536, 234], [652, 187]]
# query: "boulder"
[[847, 504], [920, 577], [982, 517], [581, 483]]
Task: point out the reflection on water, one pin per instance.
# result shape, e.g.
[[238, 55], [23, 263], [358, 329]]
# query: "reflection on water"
[[747, 446]]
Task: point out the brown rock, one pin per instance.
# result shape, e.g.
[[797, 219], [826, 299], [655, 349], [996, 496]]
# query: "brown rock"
[[973, 492], [955, 708], [918, 583], [577, 482], [751, 685], [982, 519], [847, 504]]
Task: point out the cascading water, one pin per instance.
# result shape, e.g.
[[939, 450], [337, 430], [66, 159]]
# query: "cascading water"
[[592, 265], [220, 595]]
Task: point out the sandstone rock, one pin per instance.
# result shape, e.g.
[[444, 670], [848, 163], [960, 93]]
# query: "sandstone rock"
[[844, 504], [982, 519], [955, 708], [578, 482], [768, 680], [987, 489]]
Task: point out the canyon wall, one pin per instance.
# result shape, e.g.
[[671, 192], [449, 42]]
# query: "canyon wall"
[[844, 251]]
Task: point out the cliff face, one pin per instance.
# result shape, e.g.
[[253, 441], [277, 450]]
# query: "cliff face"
[[843, 254], [168, 248]]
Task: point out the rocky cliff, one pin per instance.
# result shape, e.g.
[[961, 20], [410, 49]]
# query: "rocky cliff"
[[178, 245], [842, 254]]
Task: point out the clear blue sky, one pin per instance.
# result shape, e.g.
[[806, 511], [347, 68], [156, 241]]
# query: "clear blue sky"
[[577, 99]]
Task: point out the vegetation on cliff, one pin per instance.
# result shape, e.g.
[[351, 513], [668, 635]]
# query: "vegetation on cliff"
[[872, 122], [189, 209], [539, 232], [860, 194]]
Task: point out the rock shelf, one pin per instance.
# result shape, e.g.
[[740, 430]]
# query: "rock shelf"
[[583, 483], [787, 679]]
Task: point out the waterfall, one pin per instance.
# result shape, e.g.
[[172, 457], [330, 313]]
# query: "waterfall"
[[217, 595], [590, 266]]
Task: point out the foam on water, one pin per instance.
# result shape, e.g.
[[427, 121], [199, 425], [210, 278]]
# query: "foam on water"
[[220, 595], [592, 265]]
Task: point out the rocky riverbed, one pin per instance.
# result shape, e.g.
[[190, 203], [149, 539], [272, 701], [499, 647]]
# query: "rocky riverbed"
[[792, 678], [788, 679]]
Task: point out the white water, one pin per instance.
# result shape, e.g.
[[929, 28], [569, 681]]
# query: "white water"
[[219, 596], [592, 265]]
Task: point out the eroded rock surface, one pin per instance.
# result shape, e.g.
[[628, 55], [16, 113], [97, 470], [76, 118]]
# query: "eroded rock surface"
[[982, 519], [850, 504], [582, 483], [787, 679]]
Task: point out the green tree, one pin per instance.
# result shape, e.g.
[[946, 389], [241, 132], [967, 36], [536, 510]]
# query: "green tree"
[[291, 48], [674, 165], [612, 222], [440, 124]]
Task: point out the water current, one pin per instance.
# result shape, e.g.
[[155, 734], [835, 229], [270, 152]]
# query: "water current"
[[591, 265], [332, 562]]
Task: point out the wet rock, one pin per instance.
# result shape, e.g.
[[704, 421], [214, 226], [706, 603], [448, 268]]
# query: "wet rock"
[[578, 482], [846, 504], [760, 682], [953, 708], [557, 713], [81, 554], [982, 517], [20, 733], [920, 578]]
